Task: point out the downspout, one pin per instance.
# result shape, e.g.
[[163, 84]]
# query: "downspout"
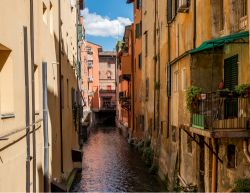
[[169, 79], [155, 61], [195, 31], [169, 18], [245, 149], [33, 91], [60, 82], [27, 108], [45, 129]]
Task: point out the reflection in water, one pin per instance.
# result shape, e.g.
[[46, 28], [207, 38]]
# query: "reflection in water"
[[110, 165]]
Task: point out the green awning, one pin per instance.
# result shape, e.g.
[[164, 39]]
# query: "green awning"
[[220, 41]]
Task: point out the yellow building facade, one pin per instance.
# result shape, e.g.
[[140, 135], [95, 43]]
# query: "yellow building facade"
[[203, 44], [54, 33]]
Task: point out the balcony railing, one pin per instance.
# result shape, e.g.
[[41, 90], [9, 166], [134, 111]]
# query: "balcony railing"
[[216, 112]]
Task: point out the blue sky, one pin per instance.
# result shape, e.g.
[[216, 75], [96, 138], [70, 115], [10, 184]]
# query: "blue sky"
[[104, 19]]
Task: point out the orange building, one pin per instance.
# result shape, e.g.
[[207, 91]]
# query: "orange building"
[[137, 95], [124, 70], [90, 76]]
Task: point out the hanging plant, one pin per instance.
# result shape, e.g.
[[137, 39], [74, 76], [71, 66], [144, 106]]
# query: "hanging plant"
[[243, 90], [193, 95]]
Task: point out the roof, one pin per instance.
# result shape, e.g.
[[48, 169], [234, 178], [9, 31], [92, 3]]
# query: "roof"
[[107, 53], [220, 41]]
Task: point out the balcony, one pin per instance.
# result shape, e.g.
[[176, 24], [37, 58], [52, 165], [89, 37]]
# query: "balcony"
[[217, 116]]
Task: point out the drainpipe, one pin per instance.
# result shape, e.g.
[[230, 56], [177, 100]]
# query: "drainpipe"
[[214, 167], [60, 82], [194, 38], [245, 149], [33, 92], [27, 108], [169, 78], [45, 129], [155, 61]]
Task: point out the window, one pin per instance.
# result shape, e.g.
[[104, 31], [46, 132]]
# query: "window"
[[231, 156], [218, 14], [146, 43], [109, 87], [139, 61], [138, 4], [243, 8], [6, 81], [176, 81], [138, 29], [184, 80]]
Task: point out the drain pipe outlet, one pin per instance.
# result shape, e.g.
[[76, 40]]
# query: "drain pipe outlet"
[[245, 149]]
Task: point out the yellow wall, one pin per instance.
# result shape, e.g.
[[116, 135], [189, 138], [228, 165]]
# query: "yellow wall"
[[15, 15]]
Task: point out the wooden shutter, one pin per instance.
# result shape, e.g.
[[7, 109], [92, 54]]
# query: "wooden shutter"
[[231, 72], [230, 81]]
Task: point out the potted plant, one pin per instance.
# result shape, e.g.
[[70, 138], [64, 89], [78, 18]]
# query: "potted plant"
[[192, 97], [224, 92], [243, 90]]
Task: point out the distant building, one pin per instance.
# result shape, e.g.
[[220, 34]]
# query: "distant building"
[[90, 76], [107, 80]]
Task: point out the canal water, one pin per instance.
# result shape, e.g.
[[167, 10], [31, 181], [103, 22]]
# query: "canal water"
[[111, 165]]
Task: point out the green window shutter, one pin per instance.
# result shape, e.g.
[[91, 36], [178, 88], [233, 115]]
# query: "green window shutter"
[[230, 81], [231, 72], [137, 30]]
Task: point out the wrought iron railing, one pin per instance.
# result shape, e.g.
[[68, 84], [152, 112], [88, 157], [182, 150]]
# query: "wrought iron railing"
[[221, 112]]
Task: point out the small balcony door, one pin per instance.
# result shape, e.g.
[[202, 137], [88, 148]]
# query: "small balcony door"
[[231, 81]]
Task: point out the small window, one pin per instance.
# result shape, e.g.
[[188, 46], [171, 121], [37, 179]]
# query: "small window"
[[138, 4], [231, 156]]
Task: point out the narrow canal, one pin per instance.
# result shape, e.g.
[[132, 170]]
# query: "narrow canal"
[[111, 165]]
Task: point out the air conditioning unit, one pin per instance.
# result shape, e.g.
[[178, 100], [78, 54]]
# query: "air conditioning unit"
[[183, 6]]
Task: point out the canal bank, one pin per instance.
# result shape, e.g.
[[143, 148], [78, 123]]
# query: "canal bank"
[[110, 164]]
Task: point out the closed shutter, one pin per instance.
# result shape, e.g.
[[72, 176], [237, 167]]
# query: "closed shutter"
[[137, 30], [231, 72], [231, 81]]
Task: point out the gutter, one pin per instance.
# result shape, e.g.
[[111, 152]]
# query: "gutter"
[[245, 149]]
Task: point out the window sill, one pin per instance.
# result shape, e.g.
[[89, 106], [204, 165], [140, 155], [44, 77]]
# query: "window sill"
[[7, 116]]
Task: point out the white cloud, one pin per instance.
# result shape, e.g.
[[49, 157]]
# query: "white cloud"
[[97, 25]]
